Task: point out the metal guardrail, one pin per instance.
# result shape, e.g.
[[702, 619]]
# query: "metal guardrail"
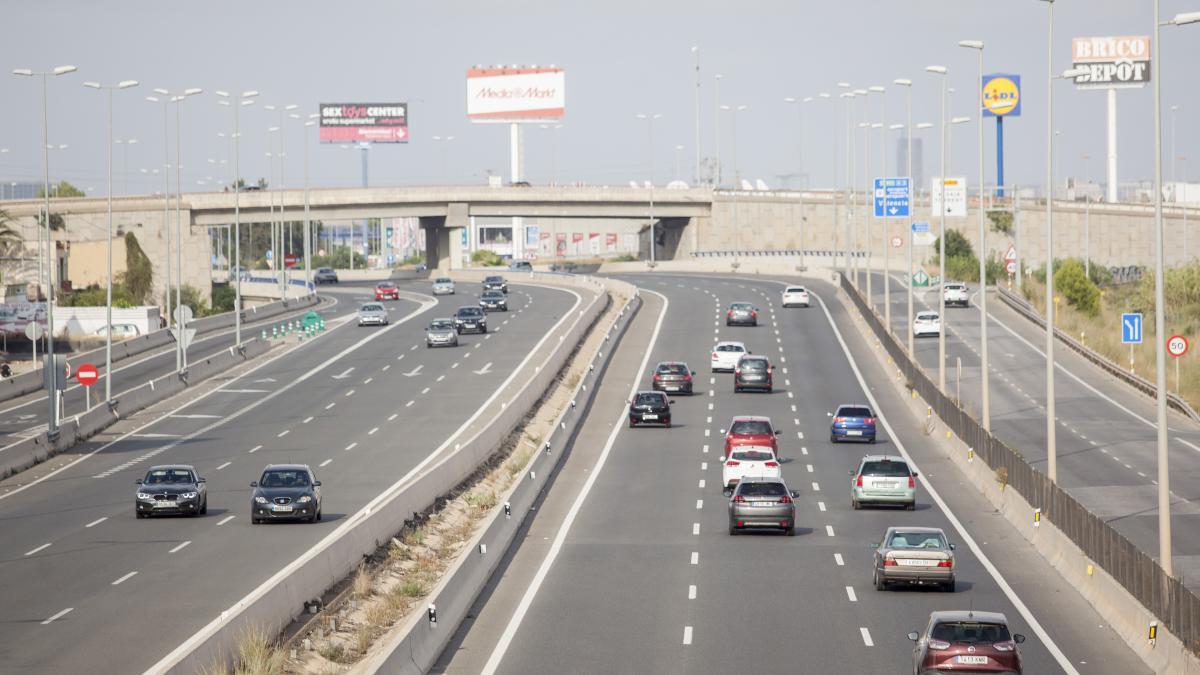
[[1018, 304], [1166, 597], [780, 253]]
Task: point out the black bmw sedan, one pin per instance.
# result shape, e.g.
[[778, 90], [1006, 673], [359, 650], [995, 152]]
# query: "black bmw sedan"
[[171, 489]]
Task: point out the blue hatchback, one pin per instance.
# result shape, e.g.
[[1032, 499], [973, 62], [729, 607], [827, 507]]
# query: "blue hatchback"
[[852, 423]]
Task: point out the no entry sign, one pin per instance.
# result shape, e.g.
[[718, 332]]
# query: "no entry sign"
[[87, 375]]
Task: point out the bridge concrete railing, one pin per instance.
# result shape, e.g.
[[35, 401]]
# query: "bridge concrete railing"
[[279, 600]]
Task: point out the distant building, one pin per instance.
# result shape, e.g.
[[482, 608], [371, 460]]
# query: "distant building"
[[918, 165]]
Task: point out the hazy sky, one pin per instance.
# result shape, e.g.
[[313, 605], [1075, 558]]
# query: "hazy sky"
[[621, 58]]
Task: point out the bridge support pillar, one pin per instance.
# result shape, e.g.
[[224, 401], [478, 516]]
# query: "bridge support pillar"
[[444, 238]]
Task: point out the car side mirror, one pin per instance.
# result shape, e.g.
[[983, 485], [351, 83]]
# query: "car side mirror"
[[316, 483], [722, 431], [201, 480], [1018, 638], [778, 431], [137, 482], [795, 494], [851, 472], [671, 402], [914, 636], [253, 483], [951, 547], [915, 474]]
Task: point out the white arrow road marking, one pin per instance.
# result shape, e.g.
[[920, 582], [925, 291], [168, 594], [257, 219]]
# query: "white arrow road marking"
[[414, 371], [263, 380], [487, 368], [344, 374]]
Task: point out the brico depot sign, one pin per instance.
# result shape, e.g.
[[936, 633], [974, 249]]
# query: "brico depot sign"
[[515, 94], [364, 122], [1112, 62]]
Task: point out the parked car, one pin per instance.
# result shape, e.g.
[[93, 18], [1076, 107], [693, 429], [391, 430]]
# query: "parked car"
[[441, 333], [967, 642], [883, 479], [916, 556], [672, 376], [521, 266], [955, 293], [120, 331], [762, 503], [470, 319], [373, 314], [795, 296], [741, 314], [443, 286], [753, 372], [171, 489], [493, 301], [725, 356], [325, 275], [748, 461], [286, 492], [926, 324], [386, 290], [852, 423], [650, 407], [495, 283], [750, 430]]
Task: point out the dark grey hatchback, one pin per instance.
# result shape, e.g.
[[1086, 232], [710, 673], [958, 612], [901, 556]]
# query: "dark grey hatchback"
[[286, 492], [171, 489]]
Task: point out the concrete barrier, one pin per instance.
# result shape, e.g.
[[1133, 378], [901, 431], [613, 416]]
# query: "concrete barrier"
[[280, 599]]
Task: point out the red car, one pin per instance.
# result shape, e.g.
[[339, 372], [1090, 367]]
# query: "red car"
[[967, 642], [386, 290], [750, 430]]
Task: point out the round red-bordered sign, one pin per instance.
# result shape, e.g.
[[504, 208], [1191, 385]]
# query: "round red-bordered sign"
[[87, 375], [1177, 345]]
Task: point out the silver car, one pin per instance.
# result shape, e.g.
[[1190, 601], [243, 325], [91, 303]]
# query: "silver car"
[[443, 286], [762, 503], [441, 333], [920, 556], [883, 479], [372, 314]]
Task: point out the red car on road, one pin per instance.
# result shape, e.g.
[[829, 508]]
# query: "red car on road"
[[386, 290], [966, 642], [750, 430]]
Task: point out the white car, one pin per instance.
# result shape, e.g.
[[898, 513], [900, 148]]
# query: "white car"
[[725, 356], [443, 286], [927, 323], [795, 296], [955, 294], [120, 331], [749, 461]]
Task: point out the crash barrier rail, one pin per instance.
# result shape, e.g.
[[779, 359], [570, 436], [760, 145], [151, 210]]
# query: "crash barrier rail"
[[30, 382], [765, 253], [416, 647], [21, 455], [1140, 383], [282, 598], [1139, 574]]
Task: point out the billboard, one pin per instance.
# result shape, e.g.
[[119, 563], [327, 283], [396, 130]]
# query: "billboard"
[[515, 94], [1112, 62], [364, 122], [1001, 95]]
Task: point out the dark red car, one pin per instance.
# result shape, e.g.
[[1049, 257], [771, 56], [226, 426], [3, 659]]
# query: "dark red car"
[[750, 430], [966, 642], [386, 290]]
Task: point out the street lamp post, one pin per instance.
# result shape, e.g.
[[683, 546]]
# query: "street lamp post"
[[696, 51], [307, 219], [737, 178], [279, 238], [108, 327], [125, 143], [717, 128], [977, 45], [882, 124], [847, 111], [941, 70], [246, 98], [649, 118], [908, 131]]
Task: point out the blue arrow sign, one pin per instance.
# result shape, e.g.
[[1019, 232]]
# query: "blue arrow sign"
[[892, 197], [920, 227], [1131, 329]]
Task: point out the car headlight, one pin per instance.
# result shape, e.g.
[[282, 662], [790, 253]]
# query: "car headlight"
[[304, 500], [143, 495], [261, 500], [188, 495]]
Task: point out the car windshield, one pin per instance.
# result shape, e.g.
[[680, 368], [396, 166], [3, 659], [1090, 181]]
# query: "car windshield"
[[854, 412], [762, 490], [442, 280], [741, 306], [372, 308], [927, 316], [323, 269], [387, 284], [746, 427], [754, 364], [494, 280], [280, 478], [752, 455], [672, 369], [649, 398], [730, 348], [917, 540], [441, 324], [493, 295], [885, 469], [166, 476], [469, 312], [970, 632]]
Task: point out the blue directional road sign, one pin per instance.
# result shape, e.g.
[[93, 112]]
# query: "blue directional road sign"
[[920, 227], [1131, 329], [892, 197]]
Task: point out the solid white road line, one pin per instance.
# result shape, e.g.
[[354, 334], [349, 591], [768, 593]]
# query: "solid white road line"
[[687, 635], [866, 636], [125, 578], [96, 522], [180, 547], [57, 616], [226, 519], [40, 548]]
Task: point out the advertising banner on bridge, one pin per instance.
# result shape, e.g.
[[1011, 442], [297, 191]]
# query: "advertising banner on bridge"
[[532, 236], [594, 243], [1112, 62], [364, 122], [610, 242], [560, 243], [515, 94]]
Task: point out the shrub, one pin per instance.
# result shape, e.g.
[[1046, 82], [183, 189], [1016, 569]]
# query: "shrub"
[[139, 273], [190, 296], [223, 298], [962, 268], [1078, 290], [625, 257], [486, 258], [1002, 221], [956, 246]]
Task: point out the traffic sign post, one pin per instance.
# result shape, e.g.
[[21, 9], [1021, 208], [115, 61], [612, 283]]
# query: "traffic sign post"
[[920, 279], [1177, 346], [1131, 333], [87, 376], [892, 197], [290, 260]]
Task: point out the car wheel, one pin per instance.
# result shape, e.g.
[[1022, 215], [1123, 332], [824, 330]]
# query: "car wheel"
[[484, 329], [204, 507], [139, 514], [832, 438], [254, 520], [911, 506], [854, 504], [312, 518], [880, 584], [789, 532], [733, 531], [770, 390], [428, 345], [949, 587], [871, 440], [632, 424], [667, 423], [318, 514]]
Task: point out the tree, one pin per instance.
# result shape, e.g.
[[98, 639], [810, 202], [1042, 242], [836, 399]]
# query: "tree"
[[63, 190], [956, 245], [1072, 282], [139, 273], [9, 237]]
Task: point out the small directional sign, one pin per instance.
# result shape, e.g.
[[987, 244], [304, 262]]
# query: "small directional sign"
[[920, 279], [1131, 329], [892, 197], [921, 226]]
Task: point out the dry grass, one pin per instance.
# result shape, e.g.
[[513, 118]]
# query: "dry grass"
[[411, 589], [257, 654], [364, 583], [413, 537], [380, 615], [482, 500], [335, 652]]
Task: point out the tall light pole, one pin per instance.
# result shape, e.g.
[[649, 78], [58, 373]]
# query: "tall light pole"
[[941, 71], [908, 131], [858, 264], [1160, 306], [311, 122], [859, 214], [246, 98], [847, 111], [1087, 218], [125, 143], [977, 45], [696, 51], [800, 163], [737, 178], [181, 322], [52, 374], [108, 327], [826, 96], [717, 127], [279, 254], [882, 124], [165, 100], [649, 118]]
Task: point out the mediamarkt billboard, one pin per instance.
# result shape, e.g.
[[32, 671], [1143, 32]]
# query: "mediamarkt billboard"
[[515, 94], [1112, 62], [369, 122]]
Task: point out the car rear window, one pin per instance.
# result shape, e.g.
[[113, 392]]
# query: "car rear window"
[[442, 280], [795, 289], [730, 348], [752, 455], [386, 284], [673, 368], [649, 399], [885, 469], [854, 412], [753, 364], [970, 632], [916, 540], [744, 427], [372, 308], [762, 490], [927, 316], [741, 305]]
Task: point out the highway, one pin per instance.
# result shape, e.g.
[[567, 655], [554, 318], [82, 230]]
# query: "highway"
[[1106, 436], [644, 576], [89, 588]]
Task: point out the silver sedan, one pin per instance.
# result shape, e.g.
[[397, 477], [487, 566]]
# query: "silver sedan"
[[441, 333], [372, 314], [916, 556]]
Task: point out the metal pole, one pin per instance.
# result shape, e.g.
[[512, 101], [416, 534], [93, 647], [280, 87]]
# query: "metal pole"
[[51, 370], [942, 244], [983, 324], [307, 221], [1051, 419], [911, 195], [696, 51], [1160, 330], [166, 221], [800, 162], [237, 223], [887, 224], [108, 328], [180, 325], [282, 220]]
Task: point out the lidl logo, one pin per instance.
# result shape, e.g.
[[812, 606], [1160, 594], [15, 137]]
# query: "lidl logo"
[[1001, 95]]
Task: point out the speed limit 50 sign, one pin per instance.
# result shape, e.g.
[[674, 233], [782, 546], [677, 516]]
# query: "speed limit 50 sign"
[[1177, 345]]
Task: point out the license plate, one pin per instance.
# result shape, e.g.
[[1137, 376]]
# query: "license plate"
[[853, 432], [753, 377], [883, 485], [280, 507], [649, 417], [910, 562], [672, 387], [468, 325], [165, 505], [762, 503], [971, 659]]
